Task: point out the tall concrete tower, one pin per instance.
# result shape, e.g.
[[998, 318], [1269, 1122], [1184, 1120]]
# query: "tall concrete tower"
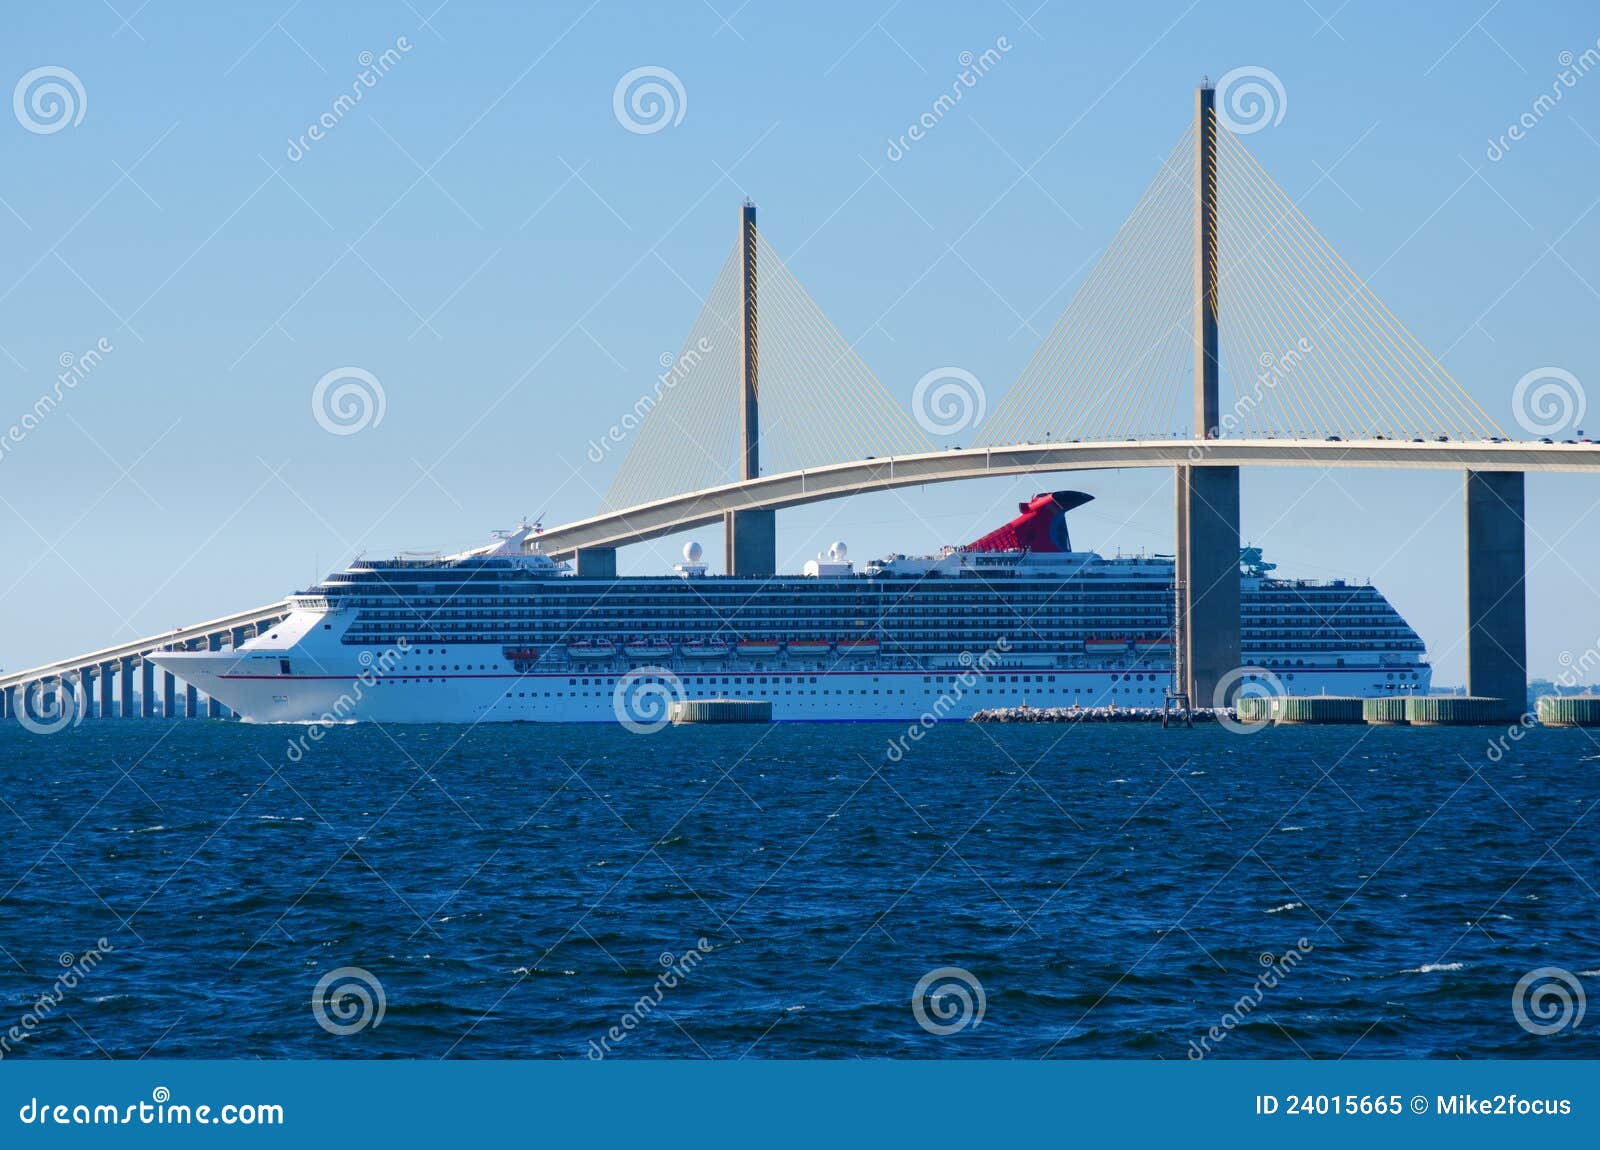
[[1207, 563], [751, 536], [749, 345]]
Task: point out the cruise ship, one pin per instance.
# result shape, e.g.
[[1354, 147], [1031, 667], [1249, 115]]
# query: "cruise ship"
[[505, 632]]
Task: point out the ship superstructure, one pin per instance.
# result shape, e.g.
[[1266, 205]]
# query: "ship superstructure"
[[506, 633]]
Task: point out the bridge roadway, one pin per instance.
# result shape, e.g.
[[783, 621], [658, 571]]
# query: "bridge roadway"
[[791, 489], [121, 659]]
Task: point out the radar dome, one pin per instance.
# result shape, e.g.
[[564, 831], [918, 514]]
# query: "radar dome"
[[838, 551], [692, 552]]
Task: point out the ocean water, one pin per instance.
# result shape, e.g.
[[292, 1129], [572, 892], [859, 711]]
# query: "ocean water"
[[779, 892]]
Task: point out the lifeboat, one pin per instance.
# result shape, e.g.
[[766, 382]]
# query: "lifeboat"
[[704, 649], [759, 647], [520, 654], [1158, 646], [1105, 646], [867, 646], [647, 649], [811, 647], [592, 649]]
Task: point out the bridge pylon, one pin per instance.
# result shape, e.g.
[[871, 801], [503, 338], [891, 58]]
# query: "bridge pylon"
[[1206, 646], [751, 536]]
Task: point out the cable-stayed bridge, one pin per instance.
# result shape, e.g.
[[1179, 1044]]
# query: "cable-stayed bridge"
[[1217, 330]]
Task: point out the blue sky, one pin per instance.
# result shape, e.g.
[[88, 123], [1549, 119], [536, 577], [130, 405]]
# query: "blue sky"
[[485, 238]]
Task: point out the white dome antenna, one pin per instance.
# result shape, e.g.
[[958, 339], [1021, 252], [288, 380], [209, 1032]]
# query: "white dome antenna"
[[692, 552], [837, 551]]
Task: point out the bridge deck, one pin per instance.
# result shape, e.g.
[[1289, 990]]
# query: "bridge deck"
[[791, 489]]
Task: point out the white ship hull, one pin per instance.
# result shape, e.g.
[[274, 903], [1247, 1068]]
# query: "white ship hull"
[[327, 681]]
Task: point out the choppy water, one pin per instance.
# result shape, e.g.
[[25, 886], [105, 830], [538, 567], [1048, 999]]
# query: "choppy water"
[[515, 889]]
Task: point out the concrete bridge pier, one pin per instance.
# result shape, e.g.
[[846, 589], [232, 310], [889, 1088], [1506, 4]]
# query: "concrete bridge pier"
[[103, 681], [1207, 574], [1497, 605], [147, 688], [596, 562], [752, 542], [125, 674], [191, 701], [6, 698], [169, 695]]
